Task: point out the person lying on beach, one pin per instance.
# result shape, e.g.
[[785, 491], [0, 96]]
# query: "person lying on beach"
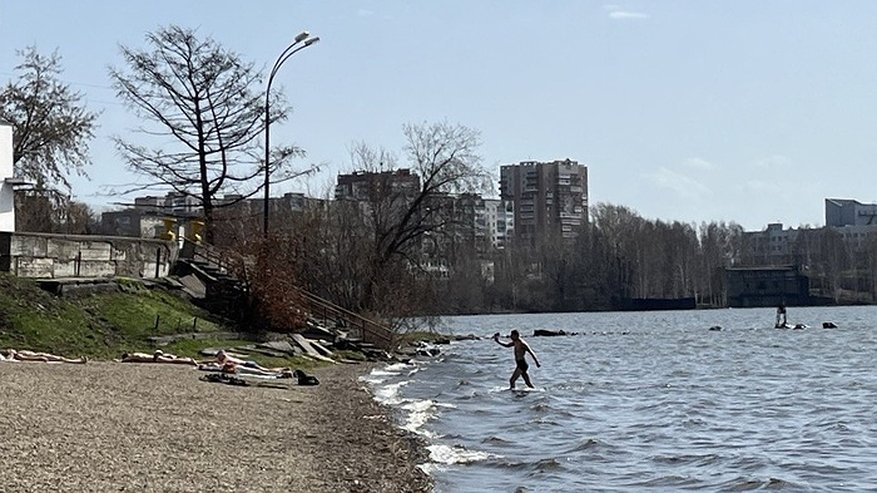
[[234, 368], [521, 349], [25, 355], [157, 357], [222, 358]]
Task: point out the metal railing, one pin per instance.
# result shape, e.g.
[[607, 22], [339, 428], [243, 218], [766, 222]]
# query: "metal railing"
[[371, 331]]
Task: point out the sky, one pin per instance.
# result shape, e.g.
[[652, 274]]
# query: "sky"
[[751, 111]]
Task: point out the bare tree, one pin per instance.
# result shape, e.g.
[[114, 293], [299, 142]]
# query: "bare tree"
[[206, 112], [51, 127], [444, 158]]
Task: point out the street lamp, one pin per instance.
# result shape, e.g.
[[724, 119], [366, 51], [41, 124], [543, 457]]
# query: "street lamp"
[[304, 37]]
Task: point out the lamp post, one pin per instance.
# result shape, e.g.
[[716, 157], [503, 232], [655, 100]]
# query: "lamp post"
[[302, 41]]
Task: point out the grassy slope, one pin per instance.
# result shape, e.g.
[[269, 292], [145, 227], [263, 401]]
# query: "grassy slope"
[[102, 326]]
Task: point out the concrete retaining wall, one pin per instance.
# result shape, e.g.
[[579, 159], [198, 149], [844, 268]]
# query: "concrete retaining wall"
[[42, 255]]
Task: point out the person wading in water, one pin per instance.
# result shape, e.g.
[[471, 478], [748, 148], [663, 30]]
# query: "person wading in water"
[[521, 349]]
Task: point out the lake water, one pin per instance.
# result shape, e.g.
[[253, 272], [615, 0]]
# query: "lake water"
[[650, 402]]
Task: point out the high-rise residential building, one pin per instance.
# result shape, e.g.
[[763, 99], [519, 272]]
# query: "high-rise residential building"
[[362, 185], [495, 220], [549, 198]]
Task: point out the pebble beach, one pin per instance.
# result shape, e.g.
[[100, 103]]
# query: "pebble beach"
[[107, 426]]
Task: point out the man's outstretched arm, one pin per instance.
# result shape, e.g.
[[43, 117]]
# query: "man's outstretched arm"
[[496, 338]]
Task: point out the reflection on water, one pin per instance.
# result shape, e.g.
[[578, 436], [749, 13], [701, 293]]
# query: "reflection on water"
[[651, 401]]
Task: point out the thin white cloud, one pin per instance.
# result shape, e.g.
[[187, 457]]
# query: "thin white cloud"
[[684, 186], [698, 163], [625, 15], [365, 12], [618, 12]]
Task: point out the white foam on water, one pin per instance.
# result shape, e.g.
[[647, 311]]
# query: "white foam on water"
[[372, 381], [446, 454], [384, 373], [518, 390], [389, 394], [397, 367], [430, 468], [420, 412]]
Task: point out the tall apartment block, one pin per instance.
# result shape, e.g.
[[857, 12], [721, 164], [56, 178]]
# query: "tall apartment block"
[[549, 198]]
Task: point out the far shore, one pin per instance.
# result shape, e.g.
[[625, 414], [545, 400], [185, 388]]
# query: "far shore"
[[144, 427]]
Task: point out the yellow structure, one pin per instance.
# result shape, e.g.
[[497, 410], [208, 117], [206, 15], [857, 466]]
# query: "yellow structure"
[[197, 229], [170, 229]]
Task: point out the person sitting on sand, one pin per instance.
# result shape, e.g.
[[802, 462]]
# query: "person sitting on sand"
[[223, 358], [157, 357], [25, 355]]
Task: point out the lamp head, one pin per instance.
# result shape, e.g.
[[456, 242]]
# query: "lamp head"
[[302, 36], [312, 40]]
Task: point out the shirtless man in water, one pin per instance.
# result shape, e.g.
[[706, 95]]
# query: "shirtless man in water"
[[521, 349]]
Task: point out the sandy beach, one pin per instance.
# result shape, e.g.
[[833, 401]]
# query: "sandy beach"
[[109, 426]]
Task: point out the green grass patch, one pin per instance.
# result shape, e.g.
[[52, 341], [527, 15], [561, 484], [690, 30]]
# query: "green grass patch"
[[98, 326], [103, 326]]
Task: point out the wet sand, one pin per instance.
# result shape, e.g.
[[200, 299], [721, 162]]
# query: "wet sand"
[[140, 427]]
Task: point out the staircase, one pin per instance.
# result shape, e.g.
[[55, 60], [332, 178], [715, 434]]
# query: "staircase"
[[222, 292], [358, 327]]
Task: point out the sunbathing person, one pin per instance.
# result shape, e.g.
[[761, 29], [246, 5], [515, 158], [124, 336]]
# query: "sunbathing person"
[[234, 368], [157, 357], [25, 355], [222, 358]]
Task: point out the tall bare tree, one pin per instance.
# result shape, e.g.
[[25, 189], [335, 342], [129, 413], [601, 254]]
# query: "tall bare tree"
[[445, 159], [51, 126], [205, 109]]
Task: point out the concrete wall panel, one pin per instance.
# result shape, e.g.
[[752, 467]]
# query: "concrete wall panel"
[[62, 249], [39, 268], [47, 255], [91, 250], [64, 268]]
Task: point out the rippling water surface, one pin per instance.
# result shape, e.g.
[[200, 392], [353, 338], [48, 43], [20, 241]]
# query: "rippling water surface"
[[650, 401]]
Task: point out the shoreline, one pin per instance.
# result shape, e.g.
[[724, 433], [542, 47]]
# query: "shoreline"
[[125, 426]]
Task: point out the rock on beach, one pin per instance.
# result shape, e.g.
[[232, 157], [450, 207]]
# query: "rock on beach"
[[142, 427]]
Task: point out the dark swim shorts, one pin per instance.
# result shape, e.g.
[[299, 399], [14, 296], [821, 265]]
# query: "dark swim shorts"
[[522, 365]]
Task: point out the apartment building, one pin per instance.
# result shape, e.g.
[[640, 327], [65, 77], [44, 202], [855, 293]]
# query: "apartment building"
[[550, 198], [850, 221], [364, 185], [846, 212]]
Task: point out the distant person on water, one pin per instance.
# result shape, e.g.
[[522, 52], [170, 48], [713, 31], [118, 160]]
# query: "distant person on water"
[[521, 349], [781, 314]]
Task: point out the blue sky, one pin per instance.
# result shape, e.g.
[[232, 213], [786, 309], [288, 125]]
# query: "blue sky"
[[751, 111]]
